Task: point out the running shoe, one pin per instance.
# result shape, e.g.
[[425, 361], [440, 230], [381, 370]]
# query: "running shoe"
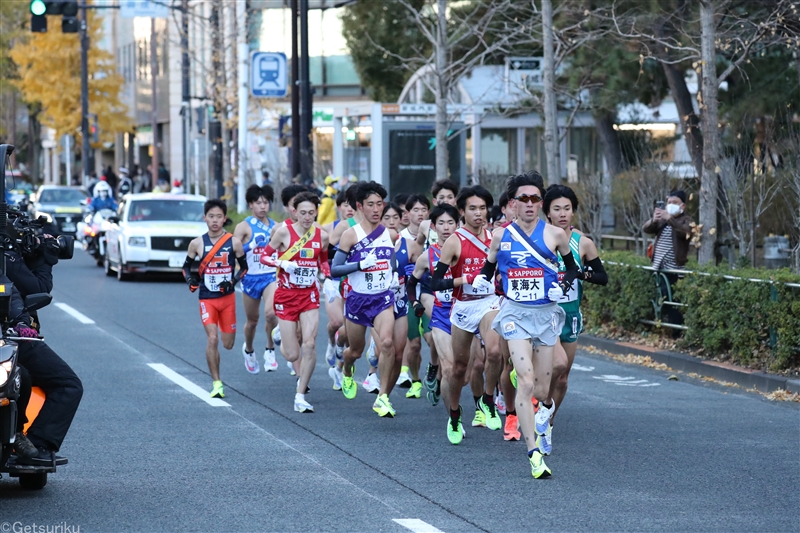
[[415, 391], [511, 431], [297, 384], [383, 406], [276, 335], [455, 430], [330, 355], [270, 364], [435, 393], [493, 421], [500, 403], [336, 376], [217, 391], [349, 387], [404, 380], [302, 406], [480, 419], [544, 442], [538, 468], [372, 354], [339, 349], [291, 369], [250, 361], [430, 376], [371, 384], [513, 377], [543, 419]]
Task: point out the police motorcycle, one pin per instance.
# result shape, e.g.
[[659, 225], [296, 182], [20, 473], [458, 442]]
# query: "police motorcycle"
[[92, 233], [30, 476]]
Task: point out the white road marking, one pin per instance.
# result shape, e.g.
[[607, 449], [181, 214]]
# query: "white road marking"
[[83, 319], [582, 368], [626, 381], [188, 385], [416, 525]]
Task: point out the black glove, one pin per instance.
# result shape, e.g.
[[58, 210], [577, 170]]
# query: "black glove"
[[193, 282], [226, 287], [419, 309]]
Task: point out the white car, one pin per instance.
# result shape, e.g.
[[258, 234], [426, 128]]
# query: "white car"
[[152, 233]]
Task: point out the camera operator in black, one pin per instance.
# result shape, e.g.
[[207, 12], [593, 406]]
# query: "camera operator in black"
[[62, 387], [33, 273]]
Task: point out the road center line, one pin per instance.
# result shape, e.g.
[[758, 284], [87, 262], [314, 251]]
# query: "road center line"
[[83, 319], [188, 385], [416, 525]]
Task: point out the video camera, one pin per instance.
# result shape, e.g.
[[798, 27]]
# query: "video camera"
[[27, 237]]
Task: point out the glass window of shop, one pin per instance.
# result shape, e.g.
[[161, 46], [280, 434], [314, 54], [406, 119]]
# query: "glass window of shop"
[[357, 142], [498, 151]]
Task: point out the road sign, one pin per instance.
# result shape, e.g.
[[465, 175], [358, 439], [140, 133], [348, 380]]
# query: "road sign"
[[158, 9], [268, 75]]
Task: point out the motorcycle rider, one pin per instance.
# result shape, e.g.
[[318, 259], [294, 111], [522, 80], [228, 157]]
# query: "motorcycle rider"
[[102, 198]]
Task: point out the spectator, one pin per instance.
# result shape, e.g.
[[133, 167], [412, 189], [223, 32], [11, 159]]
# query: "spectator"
[[125, 182], [177, 187], [265, 178], [672, 228], [163, 173], [111, 179], [92, 182]]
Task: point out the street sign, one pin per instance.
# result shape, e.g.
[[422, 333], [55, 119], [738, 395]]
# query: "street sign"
[[158, 9], [268, 75]]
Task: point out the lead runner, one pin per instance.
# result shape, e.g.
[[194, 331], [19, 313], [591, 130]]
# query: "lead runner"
[[525, 254]]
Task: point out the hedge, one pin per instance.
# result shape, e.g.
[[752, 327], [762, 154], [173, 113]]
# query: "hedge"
[[751, 323]]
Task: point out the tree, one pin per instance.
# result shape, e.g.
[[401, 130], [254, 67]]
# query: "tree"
[[49, 74]]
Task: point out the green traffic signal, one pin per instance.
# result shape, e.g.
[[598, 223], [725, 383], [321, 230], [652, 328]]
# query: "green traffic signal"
[[38, 7]]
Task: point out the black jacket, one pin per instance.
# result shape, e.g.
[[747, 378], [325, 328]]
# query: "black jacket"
[[32, 277], [17, 307]]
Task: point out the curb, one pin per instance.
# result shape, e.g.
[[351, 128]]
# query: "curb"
[[749, 379]]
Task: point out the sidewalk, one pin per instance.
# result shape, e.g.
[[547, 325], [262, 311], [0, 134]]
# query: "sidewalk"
[[744, 377]]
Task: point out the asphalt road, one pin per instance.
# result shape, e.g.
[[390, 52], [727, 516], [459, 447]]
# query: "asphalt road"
[[632, 450]]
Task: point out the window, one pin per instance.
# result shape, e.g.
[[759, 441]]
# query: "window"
[[499, 151]]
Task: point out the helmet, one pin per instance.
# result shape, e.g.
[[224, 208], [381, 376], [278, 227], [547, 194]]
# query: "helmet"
[[123, 170], [330, 180], [102, 187]]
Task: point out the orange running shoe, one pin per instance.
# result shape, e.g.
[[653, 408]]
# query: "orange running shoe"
[[511, 431]]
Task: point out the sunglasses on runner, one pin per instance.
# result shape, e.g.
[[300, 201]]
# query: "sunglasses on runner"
[[525, 198]]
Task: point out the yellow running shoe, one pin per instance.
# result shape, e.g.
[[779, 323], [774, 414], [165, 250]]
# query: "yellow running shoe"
[[491, 416], [217, 390], [349, 387], [480, 419], [415, 391], [538, 468], [383, 407], [455, 431], [513, 377]]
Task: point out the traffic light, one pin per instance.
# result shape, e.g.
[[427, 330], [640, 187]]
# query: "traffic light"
[[68, 9], [95, 130]]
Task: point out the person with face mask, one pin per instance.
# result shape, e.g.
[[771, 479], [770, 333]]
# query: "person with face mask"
[[102, 198], [672, 228]]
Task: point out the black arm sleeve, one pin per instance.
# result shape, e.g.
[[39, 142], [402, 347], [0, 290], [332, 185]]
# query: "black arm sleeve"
[[242, 269], [411, 289], [340, 266], [572, 270], [597, 274], [187, 269], [438, 283], [488, 269]]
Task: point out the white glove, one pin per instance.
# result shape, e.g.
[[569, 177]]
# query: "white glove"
[[368, 262], [556, 293], [480, 283], [289, 266], [395, 284], [330, 290]]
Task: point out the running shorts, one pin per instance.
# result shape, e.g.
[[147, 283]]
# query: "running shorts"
[[573, 327], [254, 286], [467, 314], [220, 311], [291, 303], [541, 324]]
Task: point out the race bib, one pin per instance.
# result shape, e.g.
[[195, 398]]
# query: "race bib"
[[572, 293], [400, 290], [378, 277], [526, 284], [212, 281], [304, 276]]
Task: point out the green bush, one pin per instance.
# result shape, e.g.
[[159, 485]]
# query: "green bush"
[[752, 323]]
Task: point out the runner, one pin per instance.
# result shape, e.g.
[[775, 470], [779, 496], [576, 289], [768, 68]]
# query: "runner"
[[255, 232], [219, 251], [525, 254], [473, 309], [302, 250], [366, 256], [443, 191], [560, 204], [444, 219]]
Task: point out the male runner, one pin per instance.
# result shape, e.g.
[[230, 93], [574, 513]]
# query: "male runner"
[[302, 250], [219, 251], [525, 254], [255, 232], [366, 257], [473, 309]]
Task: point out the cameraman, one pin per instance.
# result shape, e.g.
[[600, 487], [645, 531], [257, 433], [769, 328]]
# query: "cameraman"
[[63, 389], [33, 272]]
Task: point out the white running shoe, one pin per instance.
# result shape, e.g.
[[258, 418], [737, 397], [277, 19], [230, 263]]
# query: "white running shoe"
[[276, 335], [270, 364], [403, 380], [372, 384], [250, 361], [543, 419], [372, 355], [291, 369], [301, 405], [500, 403], [330, 355], [336, 376]]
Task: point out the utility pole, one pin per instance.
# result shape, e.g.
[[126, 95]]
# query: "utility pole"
[[295, 95], [87, 157], [243, 58], [306, 150], [186, 109], [154, 101]]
